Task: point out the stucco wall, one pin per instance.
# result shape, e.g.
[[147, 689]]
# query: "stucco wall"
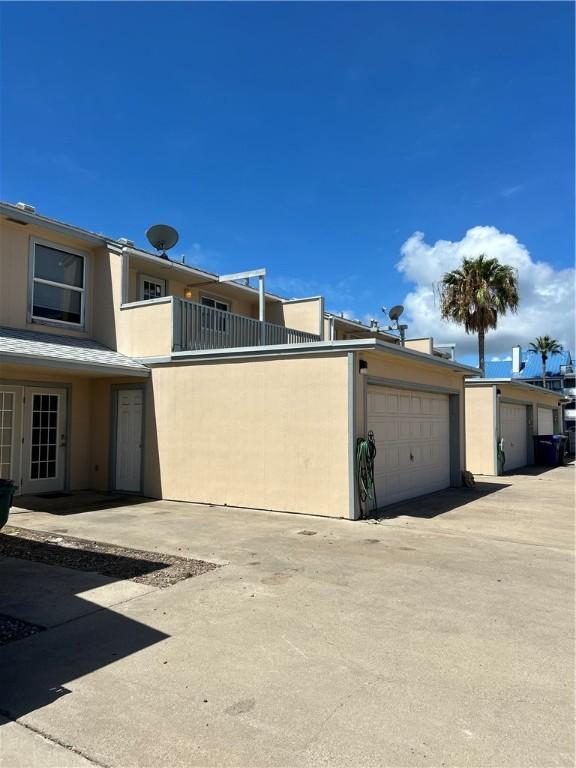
[[302, 315], [265, 433], [145, 331], [421, 345], [481, 428]]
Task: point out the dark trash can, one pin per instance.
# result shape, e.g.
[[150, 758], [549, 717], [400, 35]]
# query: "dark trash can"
[[562, 442], [7, 490], [549, 450]]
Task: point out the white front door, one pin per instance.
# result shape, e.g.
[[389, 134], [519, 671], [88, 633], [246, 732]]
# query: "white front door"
[[129, 440], [43, 440], [412, 434], [514, 434], [545, 421]]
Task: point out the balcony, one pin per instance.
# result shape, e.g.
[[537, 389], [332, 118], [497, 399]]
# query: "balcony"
[[569, 391], [197, 327]]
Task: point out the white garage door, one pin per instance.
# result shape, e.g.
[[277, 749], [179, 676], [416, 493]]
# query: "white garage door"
[[513, 430], [412, 434], [545, 421]]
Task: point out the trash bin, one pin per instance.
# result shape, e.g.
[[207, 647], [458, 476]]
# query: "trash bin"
[[549, 450], [7, 489], [561, 441], [545, 451]]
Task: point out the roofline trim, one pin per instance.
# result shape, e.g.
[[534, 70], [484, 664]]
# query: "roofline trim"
[[87, 367], [26, 217], [309, 348], [478, 382]]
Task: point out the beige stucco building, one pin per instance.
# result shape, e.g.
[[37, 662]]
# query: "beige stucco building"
[[125, 371], [502, 418]]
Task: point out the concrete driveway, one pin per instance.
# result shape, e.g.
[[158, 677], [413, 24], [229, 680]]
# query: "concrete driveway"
[[441, 636]]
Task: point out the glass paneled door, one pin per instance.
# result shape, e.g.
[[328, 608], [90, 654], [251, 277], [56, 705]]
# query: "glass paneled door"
[[11, 399], [43, 440]]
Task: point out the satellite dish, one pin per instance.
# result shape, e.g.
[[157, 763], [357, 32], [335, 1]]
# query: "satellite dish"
[[395, 312], [162, 237]]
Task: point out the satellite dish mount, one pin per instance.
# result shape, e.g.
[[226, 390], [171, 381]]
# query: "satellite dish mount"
[[162, 237], [394, 315]]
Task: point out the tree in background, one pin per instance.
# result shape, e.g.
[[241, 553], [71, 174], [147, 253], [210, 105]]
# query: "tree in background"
[[476, 294], [545, 346]]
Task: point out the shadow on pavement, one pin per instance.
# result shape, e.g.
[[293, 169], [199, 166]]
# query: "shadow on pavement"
[[435, 504], [81, 636], [533, 470], [75, 503]]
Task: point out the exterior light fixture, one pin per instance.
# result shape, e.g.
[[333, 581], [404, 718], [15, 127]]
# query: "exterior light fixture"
[[188, 292], [363, 367]]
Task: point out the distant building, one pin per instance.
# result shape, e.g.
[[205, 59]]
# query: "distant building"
[[527, 366]]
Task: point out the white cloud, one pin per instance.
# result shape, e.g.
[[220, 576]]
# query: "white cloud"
[[546, 294]]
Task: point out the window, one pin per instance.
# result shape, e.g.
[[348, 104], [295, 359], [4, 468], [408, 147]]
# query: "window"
[[151, 288], [214, 321], [58, 285], [207, 301]]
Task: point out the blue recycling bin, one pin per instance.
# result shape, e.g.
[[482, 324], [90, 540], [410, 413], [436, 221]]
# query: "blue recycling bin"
[[549, 450]]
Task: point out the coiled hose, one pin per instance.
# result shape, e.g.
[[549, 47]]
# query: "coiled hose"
[[365, 455]]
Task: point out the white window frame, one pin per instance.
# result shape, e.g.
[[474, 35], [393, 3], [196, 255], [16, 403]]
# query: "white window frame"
[[151, 279], [215, 299], [32, 318]]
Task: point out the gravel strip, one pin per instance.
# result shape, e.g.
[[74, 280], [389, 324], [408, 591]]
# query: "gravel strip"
[[155, 569], [12, 629]]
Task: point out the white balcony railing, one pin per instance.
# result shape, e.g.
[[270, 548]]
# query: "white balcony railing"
[[198, 327]]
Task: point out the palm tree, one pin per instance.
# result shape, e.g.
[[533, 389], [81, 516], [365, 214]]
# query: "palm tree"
[[476, 294], [545, 346]]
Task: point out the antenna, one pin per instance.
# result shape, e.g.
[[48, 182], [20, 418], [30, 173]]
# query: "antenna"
[[394, 315], [162, 237]]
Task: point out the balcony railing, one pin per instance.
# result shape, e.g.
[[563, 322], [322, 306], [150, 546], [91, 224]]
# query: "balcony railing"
[[198, 327]]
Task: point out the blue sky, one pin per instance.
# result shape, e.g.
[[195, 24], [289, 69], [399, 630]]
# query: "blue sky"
[[311, 138]]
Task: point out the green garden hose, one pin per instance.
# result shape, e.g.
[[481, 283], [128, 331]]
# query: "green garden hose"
[[500, 455], [365, 455]]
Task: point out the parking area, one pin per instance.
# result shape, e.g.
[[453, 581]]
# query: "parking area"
[[440, 635]]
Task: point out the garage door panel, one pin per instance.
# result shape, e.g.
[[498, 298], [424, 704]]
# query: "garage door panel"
[[412, 434], [545, 421]]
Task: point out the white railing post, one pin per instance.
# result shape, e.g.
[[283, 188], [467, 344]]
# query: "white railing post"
[[262, 309]]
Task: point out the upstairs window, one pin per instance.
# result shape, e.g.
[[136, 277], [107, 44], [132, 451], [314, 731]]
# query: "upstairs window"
[[208, 301], [210, 320], [151, 288], [58, 285]]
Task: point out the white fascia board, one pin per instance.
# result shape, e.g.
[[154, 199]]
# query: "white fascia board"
[[27, 217], [73, 365], [305, 298], [242, 275], [478, 382]]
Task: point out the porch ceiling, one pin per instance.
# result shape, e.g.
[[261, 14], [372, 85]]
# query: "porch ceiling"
[[68, 352]]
